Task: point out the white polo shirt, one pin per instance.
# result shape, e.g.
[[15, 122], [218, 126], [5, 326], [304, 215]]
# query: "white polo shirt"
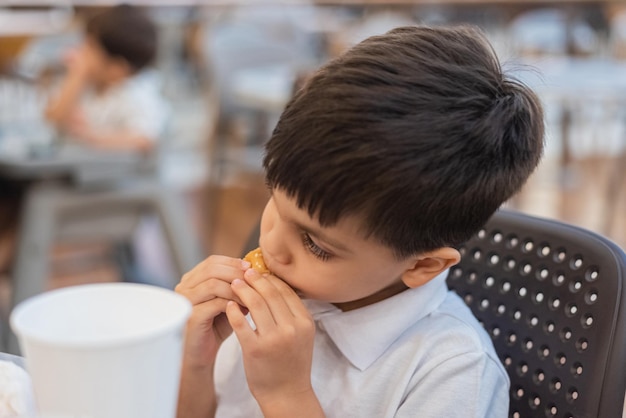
[[135, 105], [420, 353]]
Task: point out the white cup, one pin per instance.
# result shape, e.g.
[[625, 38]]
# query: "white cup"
[[103, 350]]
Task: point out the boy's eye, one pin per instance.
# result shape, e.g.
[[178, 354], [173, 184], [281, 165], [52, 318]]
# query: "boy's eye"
[[313, 248]]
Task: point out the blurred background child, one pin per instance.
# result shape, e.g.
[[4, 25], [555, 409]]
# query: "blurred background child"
[[108, 100]]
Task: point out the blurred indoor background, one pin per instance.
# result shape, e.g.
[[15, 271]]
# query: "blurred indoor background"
[[227, 68]]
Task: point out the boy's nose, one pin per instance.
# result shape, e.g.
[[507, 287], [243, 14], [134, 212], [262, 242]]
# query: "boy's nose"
[[275, 248], [282, 258]]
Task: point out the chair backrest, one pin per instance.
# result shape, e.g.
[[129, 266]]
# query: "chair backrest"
[[551, 296], [243, 44]]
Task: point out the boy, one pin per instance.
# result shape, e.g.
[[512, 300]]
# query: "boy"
[[389, 157], [106, 100]]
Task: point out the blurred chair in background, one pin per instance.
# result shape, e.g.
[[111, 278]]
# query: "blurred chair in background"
[[616, 16], [552, 32], [254, 55], [617, 185], [10, 47], [616, 189], [374, 21], [21, 20], [583, 89], [21, 100]]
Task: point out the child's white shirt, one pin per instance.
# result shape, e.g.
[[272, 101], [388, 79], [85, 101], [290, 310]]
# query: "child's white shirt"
[[135, 105], [420, 353]]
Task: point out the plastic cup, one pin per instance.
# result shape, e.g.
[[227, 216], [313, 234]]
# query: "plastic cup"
[[109, 350]]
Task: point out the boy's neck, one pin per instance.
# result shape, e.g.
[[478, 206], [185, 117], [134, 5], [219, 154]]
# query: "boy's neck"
[[103, 86], [387, 292]]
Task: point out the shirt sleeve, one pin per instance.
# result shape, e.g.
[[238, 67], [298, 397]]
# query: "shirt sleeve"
[[470, 385]]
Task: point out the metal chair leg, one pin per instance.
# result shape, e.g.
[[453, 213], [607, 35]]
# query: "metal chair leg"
[[32, 261], [182, 240]]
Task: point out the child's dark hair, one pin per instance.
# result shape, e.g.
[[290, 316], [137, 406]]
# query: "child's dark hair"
[[125, 32], [417, 131]]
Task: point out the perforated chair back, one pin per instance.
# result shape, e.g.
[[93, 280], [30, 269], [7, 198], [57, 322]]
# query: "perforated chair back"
[[551, 296]]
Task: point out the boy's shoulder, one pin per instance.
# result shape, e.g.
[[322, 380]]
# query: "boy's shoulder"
[[452, 329]]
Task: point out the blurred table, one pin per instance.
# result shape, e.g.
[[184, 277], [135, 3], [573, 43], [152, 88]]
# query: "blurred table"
[[71, 163], [78, 194]]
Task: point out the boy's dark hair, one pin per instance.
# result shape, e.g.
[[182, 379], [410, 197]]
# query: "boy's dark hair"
[[416, 131], [125, 32]]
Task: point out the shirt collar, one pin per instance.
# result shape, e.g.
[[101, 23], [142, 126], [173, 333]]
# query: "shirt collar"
[[363, 335]]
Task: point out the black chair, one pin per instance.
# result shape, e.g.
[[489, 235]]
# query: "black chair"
[[551, 296]]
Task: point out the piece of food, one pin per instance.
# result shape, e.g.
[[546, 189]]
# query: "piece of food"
[[255, 257]]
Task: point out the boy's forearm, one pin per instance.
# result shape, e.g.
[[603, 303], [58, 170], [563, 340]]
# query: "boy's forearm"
[[196, 397], [118, 141], [303, 405], [60, 107]]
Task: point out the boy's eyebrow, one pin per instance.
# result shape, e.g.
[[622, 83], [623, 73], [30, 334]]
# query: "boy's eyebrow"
[[320, 236]]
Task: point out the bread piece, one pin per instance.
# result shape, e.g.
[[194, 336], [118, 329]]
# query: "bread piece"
[[255, 258]]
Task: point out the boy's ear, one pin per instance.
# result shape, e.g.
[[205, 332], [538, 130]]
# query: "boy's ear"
[[427, 266]]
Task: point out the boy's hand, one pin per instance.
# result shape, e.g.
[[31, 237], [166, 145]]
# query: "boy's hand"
[[278, 354], [80, 61], [77, 126], [208, 287]]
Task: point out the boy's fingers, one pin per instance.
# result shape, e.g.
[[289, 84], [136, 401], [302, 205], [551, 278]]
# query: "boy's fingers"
[[271, 294], [223, 260], [225, 273], [254, 302], [239, 323], [291, 298], [229, 261], [208, 290], [214, 266], [207, 311]]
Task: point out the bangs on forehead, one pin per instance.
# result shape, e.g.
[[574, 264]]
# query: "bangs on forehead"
[[315, 188]]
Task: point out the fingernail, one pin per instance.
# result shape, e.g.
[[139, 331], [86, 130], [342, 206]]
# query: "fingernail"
[[251, 274], [237, 282], [245, 264]]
